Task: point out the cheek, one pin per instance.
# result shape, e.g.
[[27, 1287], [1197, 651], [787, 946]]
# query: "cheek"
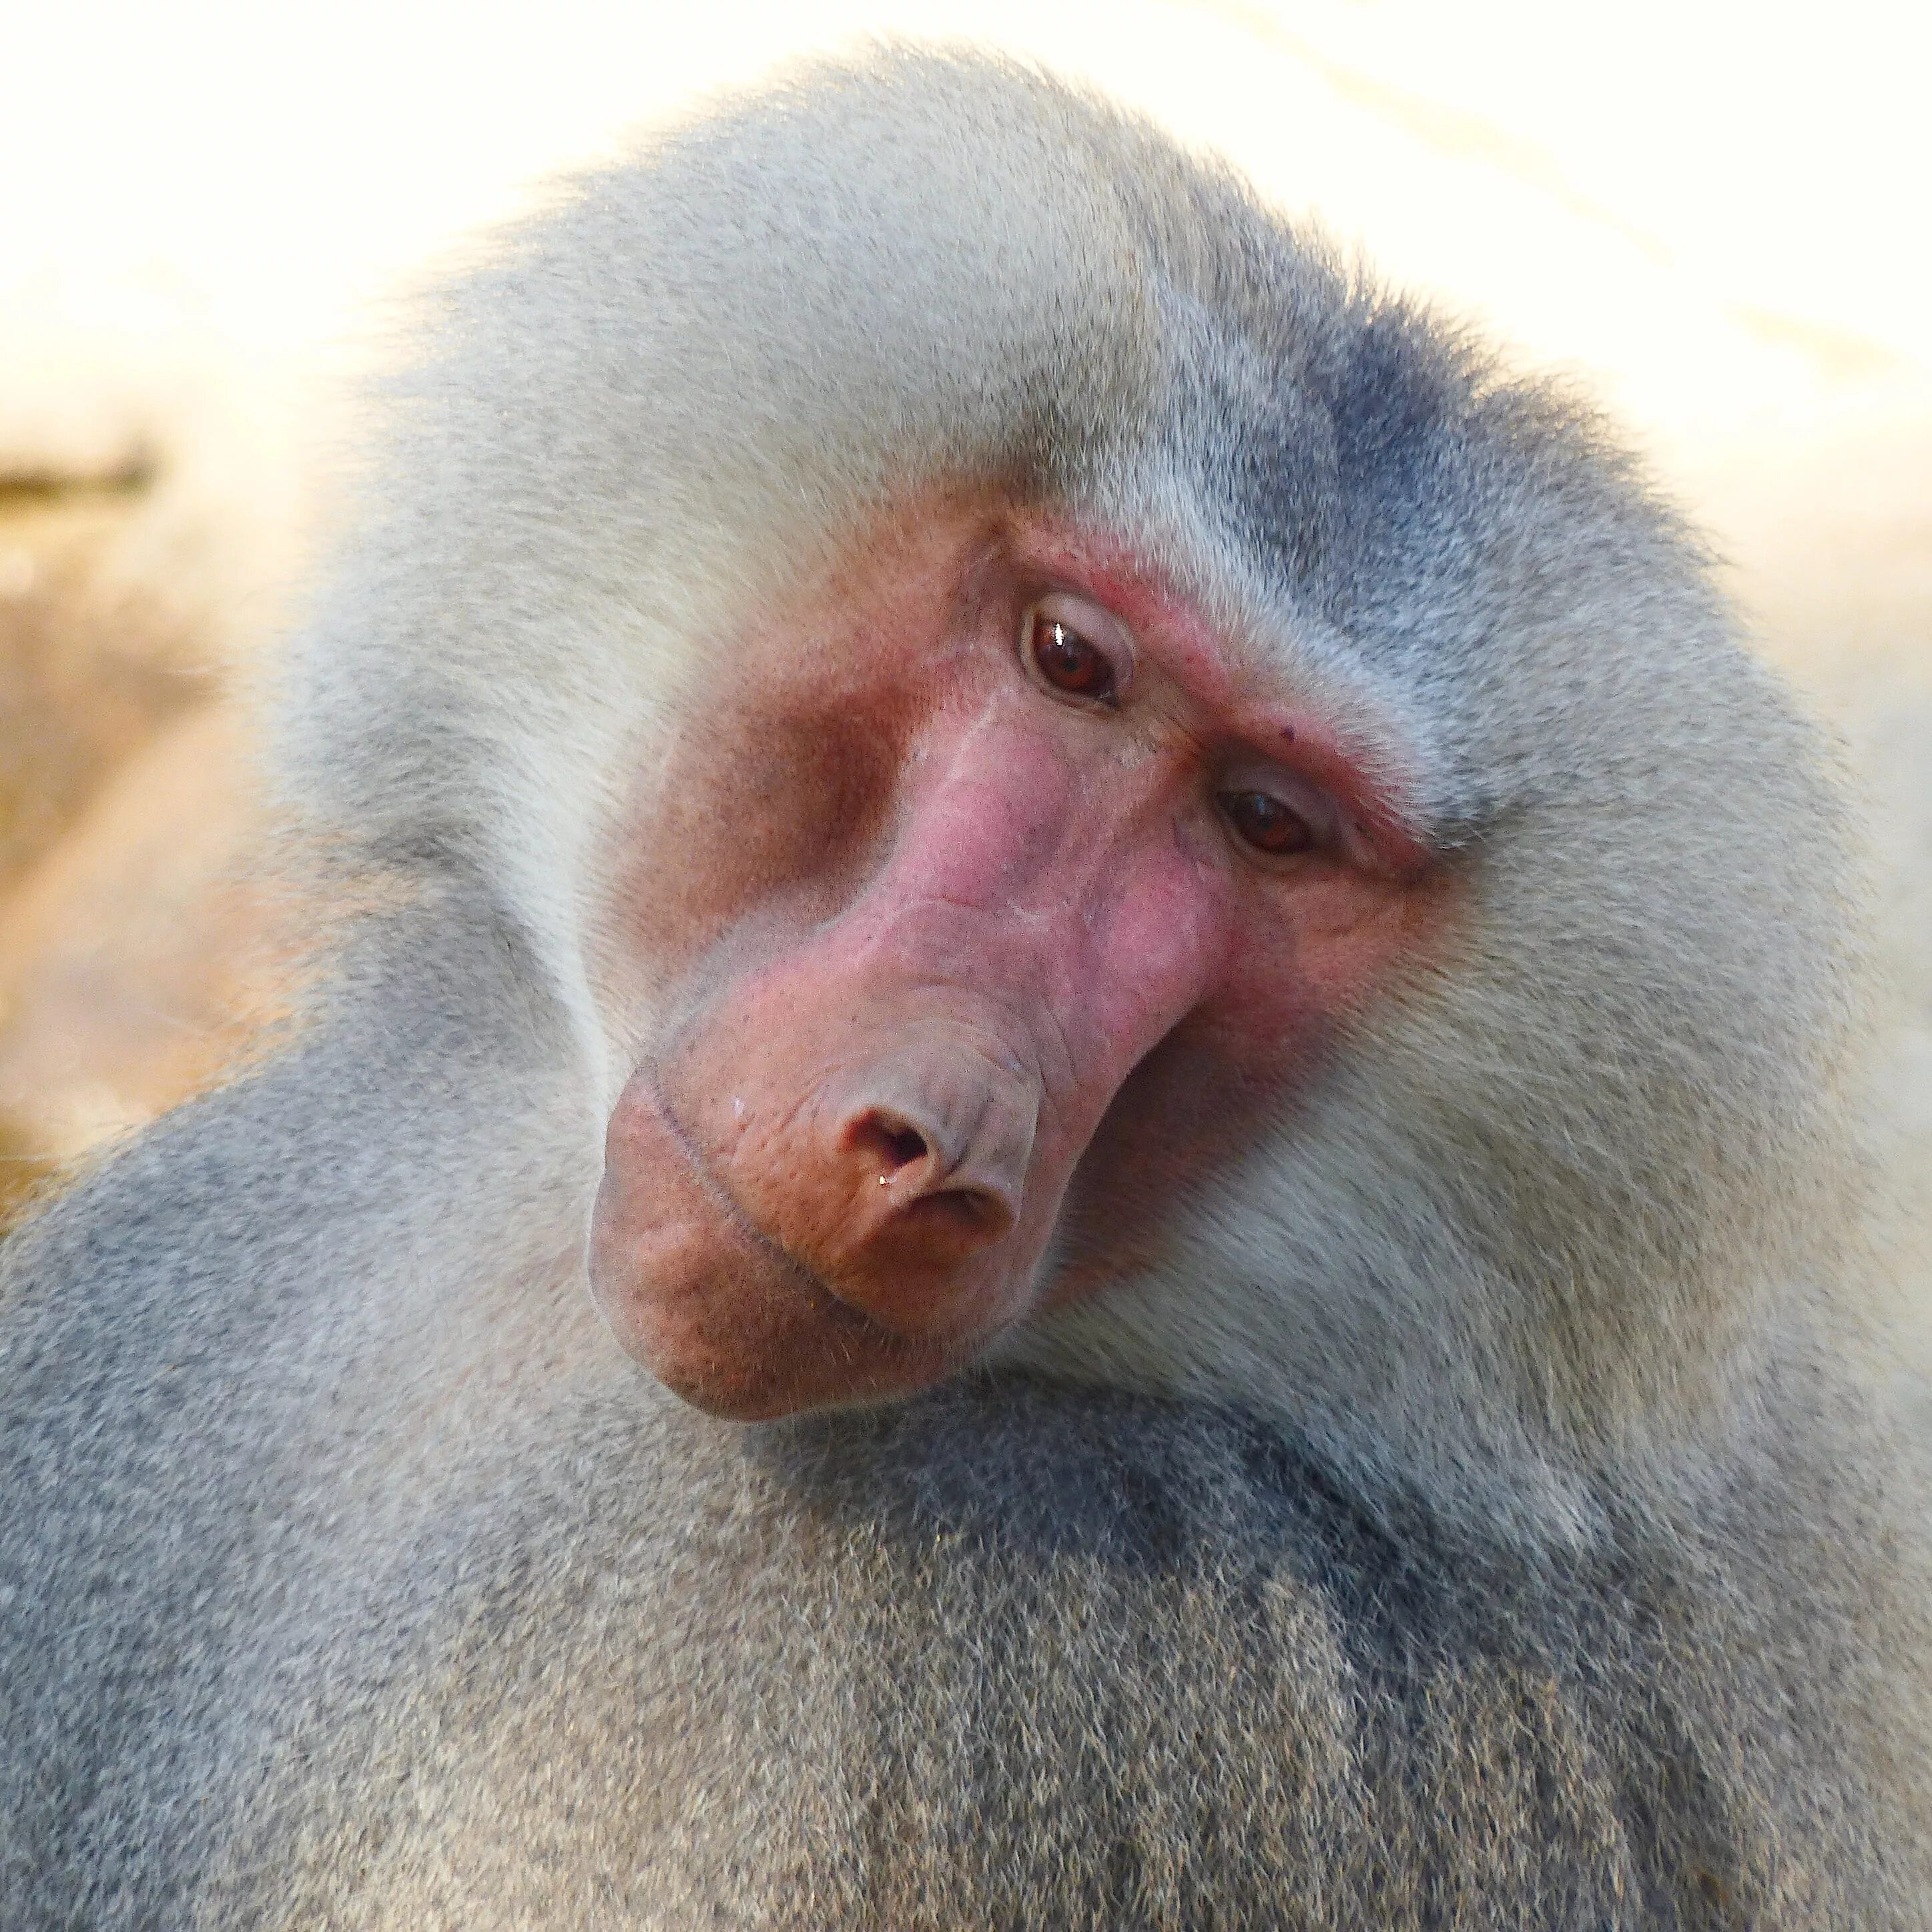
[[768, 807], [1305, 961], [1302, 963], [770, 798]]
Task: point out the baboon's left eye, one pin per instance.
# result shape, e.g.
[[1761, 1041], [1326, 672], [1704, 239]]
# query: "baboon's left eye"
[[1266, 823]]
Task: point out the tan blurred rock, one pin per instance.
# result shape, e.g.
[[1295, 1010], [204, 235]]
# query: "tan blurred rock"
[[73, 702], [149, 533], [143, 957]]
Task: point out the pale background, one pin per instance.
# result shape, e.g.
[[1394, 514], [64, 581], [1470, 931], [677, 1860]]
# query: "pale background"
[[1716, 214]]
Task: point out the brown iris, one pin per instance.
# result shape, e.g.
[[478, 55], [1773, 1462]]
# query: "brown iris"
[[1068, 662], [1266, 823]]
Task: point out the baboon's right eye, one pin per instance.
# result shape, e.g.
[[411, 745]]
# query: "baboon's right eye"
[[1075, 653]]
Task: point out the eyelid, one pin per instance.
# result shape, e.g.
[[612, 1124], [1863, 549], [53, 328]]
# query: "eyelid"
[[1096, 623], [1320, 810]]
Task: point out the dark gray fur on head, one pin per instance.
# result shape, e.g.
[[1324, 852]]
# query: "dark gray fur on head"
[[1486, 1524]]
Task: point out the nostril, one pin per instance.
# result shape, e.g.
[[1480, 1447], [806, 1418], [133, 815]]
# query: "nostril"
[[903, 1146], [907, 1196], [888, 1141]]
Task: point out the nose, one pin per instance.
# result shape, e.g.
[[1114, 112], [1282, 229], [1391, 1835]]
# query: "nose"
[[895, 1170], [932, 1147], [910, 1178]]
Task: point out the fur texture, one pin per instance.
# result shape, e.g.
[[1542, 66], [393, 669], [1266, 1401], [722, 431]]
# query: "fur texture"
[[1482, 1528]]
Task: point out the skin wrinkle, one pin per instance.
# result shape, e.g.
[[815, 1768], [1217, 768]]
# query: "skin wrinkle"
[[1368, 746], [708, 1179], [858, 1339], [1024, 1018], [1368, 751]]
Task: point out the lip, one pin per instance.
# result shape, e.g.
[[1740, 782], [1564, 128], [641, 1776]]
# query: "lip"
[[960, 1341], [706, 1177], [712, 1306]]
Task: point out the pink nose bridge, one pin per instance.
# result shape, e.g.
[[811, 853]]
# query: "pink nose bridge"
[[990, 881], [898, 1102], [1007, 817], [1054, 886]]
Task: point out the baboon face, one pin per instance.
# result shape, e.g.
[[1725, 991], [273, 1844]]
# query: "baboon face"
[[1001, 897]]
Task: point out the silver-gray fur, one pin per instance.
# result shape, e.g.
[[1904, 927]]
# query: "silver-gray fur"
[[1486, 1526]]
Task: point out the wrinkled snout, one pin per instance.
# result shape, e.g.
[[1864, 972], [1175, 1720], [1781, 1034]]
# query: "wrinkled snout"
[[841, 1174], [928, 1154], [894, 1162]]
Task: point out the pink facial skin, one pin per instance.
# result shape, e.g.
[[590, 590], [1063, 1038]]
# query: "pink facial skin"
[[961, 895]]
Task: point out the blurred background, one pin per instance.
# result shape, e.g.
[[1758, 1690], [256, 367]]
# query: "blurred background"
[[1715, 213]]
